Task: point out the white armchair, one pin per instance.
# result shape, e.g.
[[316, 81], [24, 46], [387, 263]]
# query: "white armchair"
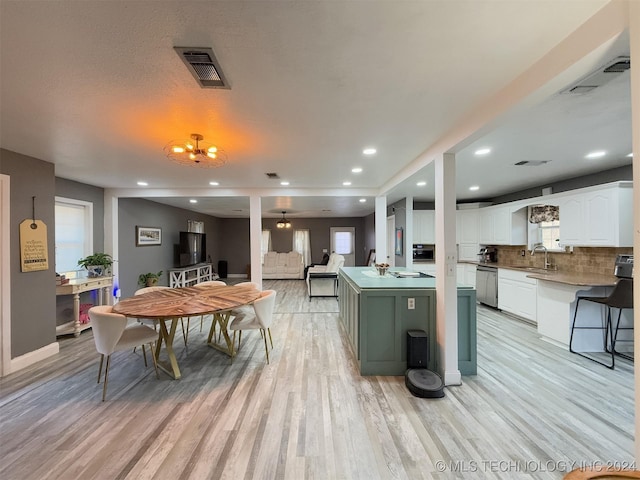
[[322, 280]]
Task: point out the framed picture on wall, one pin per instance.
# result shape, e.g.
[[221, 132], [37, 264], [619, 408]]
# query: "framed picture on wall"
[[146, 236], [399, 241]]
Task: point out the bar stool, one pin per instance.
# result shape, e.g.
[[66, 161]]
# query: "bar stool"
[[621, 297]]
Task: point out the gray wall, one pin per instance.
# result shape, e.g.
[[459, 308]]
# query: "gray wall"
[[33, 294], [133, 260], [236, 247]]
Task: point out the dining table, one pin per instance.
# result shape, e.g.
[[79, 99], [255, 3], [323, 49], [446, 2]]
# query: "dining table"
[[170, 305]]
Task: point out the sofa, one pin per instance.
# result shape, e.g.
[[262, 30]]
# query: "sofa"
[[287, 265]]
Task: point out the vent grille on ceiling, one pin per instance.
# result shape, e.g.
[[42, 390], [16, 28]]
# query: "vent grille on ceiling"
[[203, 65], [602, 75]]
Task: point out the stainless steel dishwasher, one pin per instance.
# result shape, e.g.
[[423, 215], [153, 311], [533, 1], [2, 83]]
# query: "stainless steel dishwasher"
[[487, 285]]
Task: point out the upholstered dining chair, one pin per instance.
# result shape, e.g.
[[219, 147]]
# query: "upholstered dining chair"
[[244, 308], [207, 283], [111, 334], [260, 319]]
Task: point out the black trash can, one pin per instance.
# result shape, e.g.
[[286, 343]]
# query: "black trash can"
[[222, 268]]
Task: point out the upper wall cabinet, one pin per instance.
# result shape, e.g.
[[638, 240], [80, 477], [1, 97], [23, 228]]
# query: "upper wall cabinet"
[[503, 225], [424, 226], [598, 217], [467, 233]]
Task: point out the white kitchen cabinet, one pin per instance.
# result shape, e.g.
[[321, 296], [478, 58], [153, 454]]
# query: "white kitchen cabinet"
[[424, 226], [503, 225], [517, 293], [467, 233], [598, 217]]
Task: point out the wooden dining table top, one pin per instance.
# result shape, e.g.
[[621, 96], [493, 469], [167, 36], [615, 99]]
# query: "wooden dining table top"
[[186, 301]]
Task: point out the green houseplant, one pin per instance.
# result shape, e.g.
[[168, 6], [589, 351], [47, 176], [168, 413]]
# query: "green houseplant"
[[149, 279], [97, 265]]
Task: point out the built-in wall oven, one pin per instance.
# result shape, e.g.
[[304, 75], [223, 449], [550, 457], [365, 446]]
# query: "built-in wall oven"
[[424, 253]]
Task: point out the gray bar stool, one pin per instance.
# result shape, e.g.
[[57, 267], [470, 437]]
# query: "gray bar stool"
[[621, 297]]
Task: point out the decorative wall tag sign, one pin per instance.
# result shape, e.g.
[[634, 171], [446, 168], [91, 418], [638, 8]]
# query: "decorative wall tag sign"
[[34, 254]]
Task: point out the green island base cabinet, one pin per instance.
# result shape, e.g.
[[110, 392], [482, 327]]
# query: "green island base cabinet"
[[375, 313]]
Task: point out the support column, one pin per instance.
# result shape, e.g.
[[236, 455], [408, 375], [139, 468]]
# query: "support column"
[[408, 232], [255, 234], [446, 263], [381, 229], [634, 42], [111, 242]]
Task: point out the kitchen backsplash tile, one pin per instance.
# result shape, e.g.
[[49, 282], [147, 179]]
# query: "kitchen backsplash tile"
[[582, 260]]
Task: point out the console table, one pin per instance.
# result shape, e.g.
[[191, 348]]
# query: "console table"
[[189, 276], [75, 287]]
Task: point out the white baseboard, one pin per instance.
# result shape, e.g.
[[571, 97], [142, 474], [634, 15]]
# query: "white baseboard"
[[23, 361], [452, 378]]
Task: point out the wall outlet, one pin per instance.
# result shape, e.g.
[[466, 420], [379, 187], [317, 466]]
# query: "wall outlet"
[[411, 304], [324, 250]]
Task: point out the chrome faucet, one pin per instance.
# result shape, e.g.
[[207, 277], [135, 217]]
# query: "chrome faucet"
[[546, 254]]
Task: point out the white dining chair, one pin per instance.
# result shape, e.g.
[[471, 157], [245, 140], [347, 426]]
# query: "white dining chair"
[[260, 319], [111, 334], [246, 309], [207, 283]]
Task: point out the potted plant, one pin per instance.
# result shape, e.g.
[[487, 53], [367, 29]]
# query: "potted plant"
[[97, 265], [149, 279]]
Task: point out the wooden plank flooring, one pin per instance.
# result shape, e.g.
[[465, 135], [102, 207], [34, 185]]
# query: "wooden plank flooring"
[[533, 411]]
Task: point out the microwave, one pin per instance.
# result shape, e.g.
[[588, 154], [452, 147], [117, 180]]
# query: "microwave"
[[423, 252]]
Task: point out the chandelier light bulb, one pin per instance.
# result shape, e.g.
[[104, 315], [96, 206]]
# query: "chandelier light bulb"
[[195, 152]]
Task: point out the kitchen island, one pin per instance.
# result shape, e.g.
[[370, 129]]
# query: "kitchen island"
[[376, 312]]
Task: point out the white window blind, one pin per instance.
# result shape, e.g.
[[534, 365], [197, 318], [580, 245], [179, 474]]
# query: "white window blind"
[[73, 232], [343, 243]]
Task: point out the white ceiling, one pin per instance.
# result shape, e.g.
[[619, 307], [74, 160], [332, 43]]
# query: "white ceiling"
[[97, 89]]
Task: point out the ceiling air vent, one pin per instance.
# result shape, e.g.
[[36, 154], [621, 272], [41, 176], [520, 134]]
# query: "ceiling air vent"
[[531, 163], [203, 65], [272, 175], [601, 76]]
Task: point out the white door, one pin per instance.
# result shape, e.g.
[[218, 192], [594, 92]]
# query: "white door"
[[343, 243], [391, 242]]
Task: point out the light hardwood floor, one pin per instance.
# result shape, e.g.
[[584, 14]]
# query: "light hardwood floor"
[[531, 412]]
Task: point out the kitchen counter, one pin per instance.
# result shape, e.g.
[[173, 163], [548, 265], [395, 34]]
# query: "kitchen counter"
[[376, 312], [557, 276]]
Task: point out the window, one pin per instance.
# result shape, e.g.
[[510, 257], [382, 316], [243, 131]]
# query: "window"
[[73, 232], [302, 245], [550, 234], [343, 243]]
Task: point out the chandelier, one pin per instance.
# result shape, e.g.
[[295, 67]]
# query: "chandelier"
[[195, 152], [283, 222]]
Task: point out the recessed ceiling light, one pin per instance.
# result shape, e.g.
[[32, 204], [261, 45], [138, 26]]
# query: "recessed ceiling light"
[[356, 170], [482, 151], [346, 184], [630, 155], [597, 154], [421, 183], [143, 184], [473, 188], [284, 183], [193, 200], [363, 200], [369, 151], [214, 184]]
